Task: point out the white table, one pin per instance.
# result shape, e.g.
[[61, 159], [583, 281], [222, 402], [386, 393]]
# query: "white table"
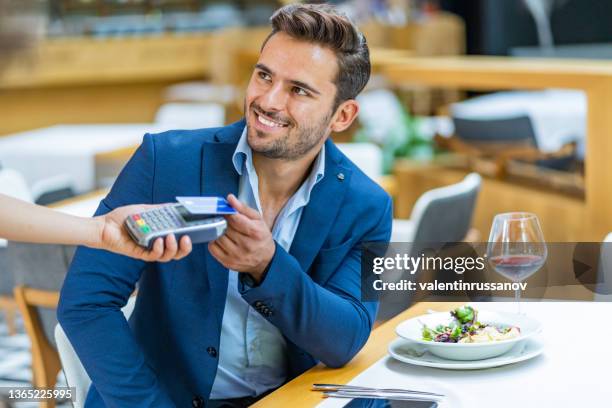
[[573, 371], [557, 115], [82, 206], [68, 150]]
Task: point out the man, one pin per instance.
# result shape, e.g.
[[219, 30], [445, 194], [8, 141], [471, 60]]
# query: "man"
[[280, 290]]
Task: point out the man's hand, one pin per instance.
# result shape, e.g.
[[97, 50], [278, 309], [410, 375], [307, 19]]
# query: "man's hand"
[[247, 245], [114, 237]]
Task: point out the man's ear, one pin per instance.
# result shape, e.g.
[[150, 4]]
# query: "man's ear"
[[345, 115]]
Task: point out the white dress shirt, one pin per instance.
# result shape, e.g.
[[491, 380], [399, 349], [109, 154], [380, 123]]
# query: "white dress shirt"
[[252, 351]]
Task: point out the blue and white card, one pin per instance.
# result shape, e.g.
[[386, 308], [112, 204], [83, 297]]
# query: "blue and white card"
[[206, 205]]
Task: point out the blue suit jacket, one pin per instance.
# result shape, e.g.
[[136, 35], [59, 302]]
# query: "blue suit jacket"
[[166, 354]]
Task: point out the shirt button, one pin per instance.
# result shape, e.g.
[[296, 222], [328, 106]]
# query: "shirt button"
[[266, 311], [340, 176], [197, 402], [212, 351]]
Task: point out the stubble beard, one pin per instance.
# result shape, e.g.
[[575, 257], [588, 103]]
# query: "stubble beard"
[[297, 142]]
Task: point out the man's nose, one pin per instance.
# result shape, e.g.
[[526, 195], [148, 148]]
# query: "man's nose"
[[275, 99]]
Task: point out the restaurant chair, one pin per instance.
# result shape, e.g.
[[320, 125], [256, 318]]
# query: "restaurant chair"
[[7, 283], [442, 215], [7, 301], [556, 116], [75, 373], [39, 271], [517, 130], [53, 189], [44, 191], [45, 360], [9, 308], [43, 267], [511, 138], [604, 272]]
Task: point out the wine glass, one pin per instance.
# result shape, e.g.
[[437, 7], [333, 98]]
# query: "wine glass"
[[516, 247]]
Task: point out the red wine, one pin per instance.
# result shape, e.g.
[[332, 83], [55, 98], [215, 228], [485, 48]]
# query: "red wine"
[[517, 267]]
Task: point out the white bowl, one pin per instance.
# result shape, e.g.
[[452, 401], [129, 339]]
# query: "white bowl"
[[413, 330]]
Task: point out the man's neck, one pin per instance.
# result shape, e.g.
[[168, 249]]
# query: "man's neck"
[[280, 179]]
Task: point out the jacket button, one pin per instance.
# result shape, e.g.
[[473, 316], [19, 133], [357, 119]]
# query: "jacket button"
[[197, 402], [258, 304], [212, 351]]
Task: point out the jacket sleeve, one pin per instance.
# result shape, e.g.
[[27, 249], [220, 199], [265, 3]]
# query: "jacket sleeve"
[[330, 322], [97, 286]]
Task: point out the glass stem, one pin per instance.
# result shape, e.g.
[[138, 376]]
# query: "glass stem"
[[517, 299]]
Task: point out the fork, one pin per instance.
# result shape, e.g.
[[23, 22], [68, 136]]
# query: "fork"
[[358, 388]]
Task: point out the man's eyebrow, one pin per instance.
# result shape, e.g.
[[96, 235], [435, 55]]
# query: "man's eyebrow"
[[261, 66], [293, 81], [305, 86]]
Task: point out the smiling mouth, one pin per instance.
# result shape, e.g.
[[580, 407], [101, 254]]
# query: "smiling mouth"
[[269, 122]]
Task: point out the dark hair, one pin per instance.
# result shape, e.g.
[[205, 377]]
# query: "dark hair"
[[323, 24]]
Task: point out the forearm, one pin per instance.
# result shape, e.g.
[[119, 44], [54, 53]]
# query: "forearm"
[[330, 327], [333, 329], [325, 318], [23, 221]]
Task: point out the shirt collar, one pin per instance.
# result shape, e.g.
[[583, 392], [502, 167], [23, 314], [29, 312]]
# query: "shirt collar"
[[243, 153], [243, 158]]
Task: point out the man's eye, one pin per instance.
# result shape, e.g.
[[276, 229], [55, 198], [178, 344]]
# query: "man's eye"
[[264, 76], [300, 91]]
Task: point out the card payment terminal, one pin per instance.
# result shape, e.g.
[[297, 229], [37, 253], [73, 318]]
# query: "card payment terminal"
[[146, 227]]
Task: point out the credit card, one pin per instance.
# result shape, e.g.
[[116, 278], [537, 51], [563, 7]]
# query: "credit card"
[[206, 205]]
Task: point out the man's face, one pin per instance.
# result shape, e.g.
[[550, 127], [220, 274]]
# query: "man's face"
[[288, 104]]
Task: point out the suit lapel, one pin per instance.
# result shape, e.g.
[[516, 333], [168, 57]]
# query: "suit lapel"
[[219, 178], [218, 174], [318, 216]]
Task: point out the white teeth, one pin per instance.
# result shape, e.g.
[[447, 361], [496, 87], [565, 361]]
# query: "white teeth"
[[268, 122]]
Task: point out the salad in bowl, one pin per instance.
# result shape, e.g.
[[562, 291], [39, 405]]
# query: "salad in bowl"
[[468, 334], [465, 328]]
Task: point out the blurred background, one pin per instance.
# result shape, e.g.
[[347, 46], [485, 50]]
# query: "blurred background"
[[506, 89]]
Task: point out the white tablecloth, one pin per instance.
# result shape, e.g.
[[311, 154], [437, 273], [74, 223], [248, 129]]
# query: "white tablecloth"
[[67, 150], [573, 371], [82, 208]]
